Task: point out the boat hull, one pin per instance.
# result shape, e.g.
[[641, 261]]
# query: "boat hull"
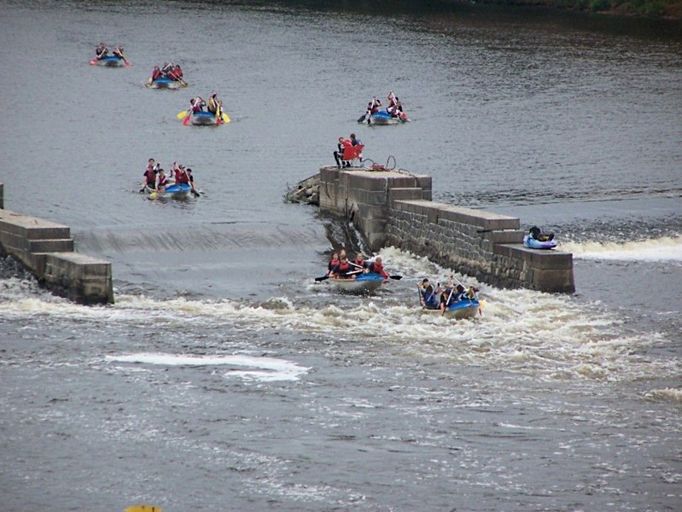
[[459, 310], [383, 118], [532, 243], [178, 190], [363, 283], [165, 83], [110, 61], [203, 119]]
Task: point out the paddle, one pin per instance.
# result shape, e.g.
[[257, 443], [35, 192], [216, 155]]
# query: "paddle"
[[186, 120], [324, 278], [183, 114], [396, 277], [362, 117]]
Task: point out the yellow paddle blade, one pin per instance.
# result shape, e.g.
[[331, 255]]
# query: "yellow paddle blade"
[[143, 508], [225, 117], [181, 115]]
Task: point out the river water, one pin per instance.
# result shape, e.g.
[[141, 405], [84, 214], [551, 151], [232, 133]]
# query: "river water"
[[224, 379]]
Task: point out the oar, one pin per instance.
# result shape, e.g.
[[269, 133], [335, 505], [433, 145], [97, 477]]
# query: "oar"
[[186, 120], [396, 277], [321, 278], [362, 117], [183, 114], [226, 119]]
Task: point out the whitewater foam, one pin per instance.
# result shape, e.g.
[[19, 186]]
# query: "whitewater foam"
[[266, 368], [658, 249]]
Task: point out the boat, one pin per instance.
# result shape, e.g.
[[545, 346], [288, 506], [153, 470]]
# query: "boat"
[[382, 117], [111, 61], [363, 283], [165, 83], [203, 118], [465, 308], [178, 190], [532, 243]]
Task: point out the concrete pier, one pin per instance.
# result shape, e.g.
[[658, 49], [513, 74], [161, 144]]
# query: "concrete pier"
[[395, 208], [46, 250]]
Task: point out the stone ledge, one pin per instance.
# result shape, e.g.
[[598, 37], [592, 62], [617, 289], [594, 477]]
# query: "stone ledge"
[[536, 258]]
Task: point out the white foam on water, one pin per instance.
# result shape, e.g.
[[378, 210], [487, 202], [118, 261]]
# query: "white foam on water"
[[265, 368], [665, 395], [546, 335], [658, 249]]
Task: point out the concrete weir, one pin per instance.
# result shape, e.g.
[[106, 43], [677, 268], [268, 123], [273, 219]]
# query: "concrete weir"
[[395, 208], [46, 250]]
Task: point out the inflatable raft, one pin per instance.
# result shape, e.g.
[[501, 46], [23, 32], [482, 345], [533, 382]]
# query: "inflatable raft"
[[111, 61], [532, 243], [203, 119], [465, 308], [165, 83], [363, 283], [384, 118]]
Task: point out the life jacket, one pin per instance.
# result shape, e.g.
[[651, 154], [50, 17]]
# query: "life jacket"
[[181, 176], [332, 264], [163, 181], [378, 268], [156, 74], [430, 297], [150, 176], [343, 268], [360, 262]]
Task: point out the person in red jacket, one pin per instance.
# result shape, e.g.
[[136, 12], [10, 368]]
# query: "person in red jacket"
[[377, 267]]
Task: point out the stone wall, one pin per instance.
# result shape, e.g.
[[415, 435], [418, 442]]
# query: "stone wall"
[[477, 243], [395, 208], [46, 249]]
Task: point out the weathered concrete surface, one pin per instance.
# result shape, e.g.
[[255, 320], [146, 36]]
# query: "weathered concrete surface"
[[395, 208], [46, 249]]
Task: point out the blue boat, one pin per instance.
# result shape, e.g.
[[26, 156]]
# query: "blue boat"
[[203, 119], [532, 243], [464, 308], [382, 117], [165, 83], [178, 190], [111, 61], [362, 283]]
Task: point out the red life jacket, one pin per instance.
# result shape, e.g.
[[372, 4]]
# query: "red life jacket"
[[332, 264], [343, 267], [378, 268], [163, 181], [181, 176], [150, 176]]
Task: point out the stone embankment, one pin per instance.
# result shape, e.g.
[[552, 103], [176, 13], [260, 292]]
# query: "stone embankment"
[[395, 208], [46, 249]]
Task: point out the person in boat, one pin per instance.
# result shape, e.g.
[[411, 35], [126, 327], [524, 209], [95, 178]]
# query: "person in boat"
[[101, 51], [156, 74], [360, 262], [161, 180], [450, 295], [537, 234], [214, 105], [377, 267], [190, 180], [197, 104], [393, 102], [343, 269], [180, 174], [428, 295], [118, 52], [372, 108], [333, 261], [338, 154], [150, 175], [175, 73]]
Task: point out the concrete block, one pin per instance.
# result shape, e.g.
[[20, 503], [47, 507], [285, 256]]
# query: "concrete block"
[[404, 193], [510, 236], [58, 245]]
